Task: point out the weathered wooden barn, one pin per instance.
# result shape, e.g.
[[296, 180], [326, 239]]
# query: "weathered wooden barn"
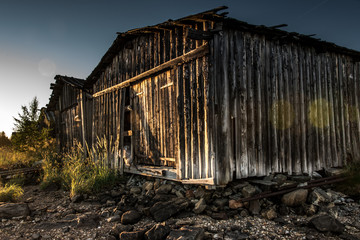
[[205, 99], [70, 104]]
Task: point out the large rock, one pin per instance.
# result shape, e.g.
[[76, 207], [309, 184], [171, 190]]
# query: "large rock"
[[295, 198], [10, 210], [88, 220], [200, 206], [186, 233], [280, 179], [248, 191], [221, 203], [254, 207], [164, 189], [136, 235], [318, 196], [162, 211], [330, 172], [119, 228], [235, 204], [148, 186], [270, 214], [130, 217], [135, 190], [326, 223], [157, 232]]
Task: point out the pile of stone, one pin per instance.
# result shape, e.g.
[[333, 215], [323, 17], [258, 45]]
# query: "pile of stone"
[[146, 208]]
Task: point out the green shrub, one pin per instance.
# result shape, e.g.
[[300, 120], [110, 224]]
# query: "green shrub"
[[18, 179], [79, 173], [51, 174], [10, 193]]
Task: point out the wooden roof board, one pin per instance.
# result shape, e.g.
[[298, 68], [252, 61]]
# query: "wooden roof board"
[[229, 23]]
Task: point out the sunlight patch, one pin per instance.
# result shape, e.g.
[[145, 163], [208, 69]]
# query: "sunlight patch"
[[281, 114], [319, 113]]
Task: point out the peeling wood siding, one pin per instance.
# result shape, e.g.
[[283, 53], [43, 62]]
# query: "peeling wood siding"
[[280, 107]]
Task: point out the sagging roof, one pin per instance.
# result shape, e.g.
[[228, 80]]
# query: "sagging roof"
[[230, 23], [57, 88]]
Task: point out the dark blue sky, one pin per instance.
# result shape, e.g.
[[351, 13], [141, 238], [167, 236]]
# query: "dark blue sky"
[[39, 38]]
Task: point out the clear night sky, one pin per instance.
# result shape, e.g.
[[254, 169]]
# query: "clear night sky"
[[42, 38]]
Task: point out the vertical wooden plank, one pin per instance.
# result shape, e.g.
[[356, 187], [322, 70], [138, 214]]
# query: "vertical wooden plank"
[[82, 115], [311, 157], [303, 108], [258, 69], [267, 89], [250, 106], [194, 122]]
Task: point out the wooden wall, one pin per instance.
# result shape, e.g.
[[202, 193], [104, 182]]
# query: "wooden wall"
[[280, 106], [168, 109], [70, 116]]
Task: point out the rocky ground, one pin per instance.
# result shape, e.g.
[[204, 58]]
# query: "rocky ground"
[[152, 209]]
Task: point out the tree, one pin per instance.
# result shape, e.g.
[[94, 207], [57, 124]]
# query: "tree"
[[4, 140], [29, 136]]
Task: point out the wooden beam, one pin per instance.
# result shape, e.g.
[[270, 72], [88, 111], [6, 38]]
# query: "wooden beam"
[[69, 107], [199, 34], [167, 159], [198, 52]]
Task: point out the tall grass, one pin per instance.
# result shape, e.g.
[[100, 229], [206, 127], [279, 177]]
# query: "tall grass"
[[10, 193], [10, 158], [80, 173]]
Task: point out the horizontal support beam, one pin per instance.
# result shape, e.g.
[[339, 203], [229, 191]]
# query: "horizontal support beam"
[[167, 85], [167, 159], [196, 53], [69, 107]]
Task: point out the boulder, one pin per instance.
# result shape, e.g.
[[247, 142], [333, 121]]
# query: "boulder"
[[280, 179], [270, 214], [221, 203], [264, 185], [199, 193], [330, 172], [295, 198], [254, 207], [135, 190], [186, 233], [200, 206], [148, 186], [157, 232], [115, 218], [326, 223], [248, 191], [10, 210], [162, 211], [87, 220], [119, 228], [136, 235], [164, 189], [318, 196], [130, 217], [235, 204]]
